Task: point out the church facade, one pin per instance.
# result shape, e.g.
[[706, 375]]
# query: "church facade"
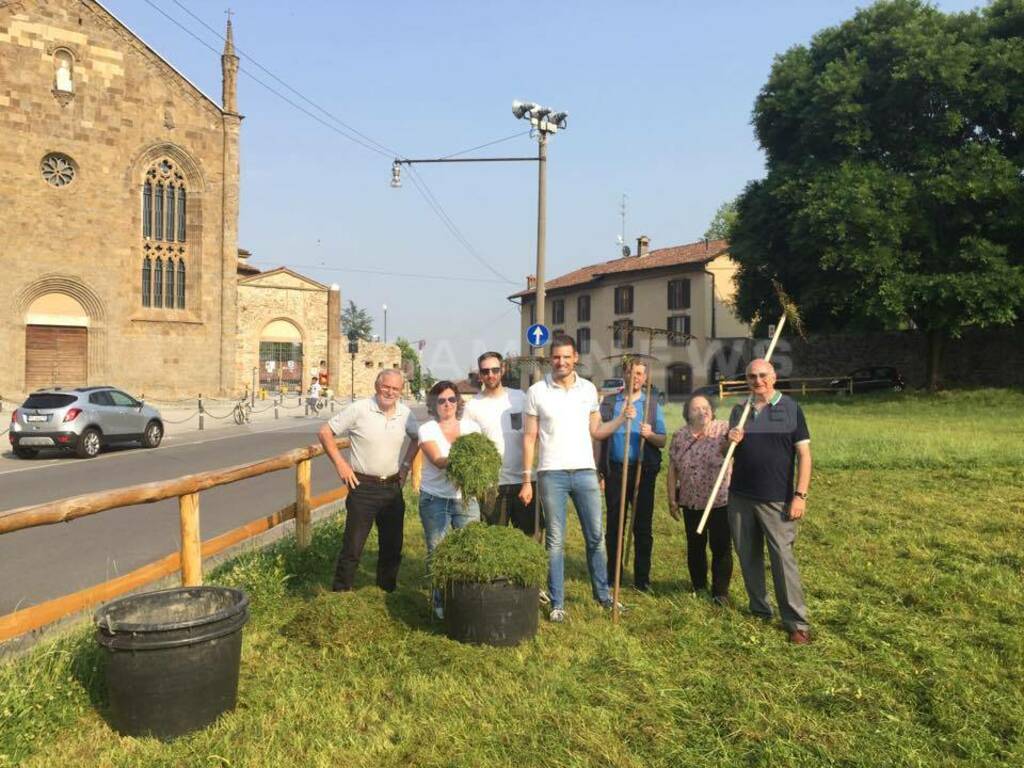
[[118, 209]]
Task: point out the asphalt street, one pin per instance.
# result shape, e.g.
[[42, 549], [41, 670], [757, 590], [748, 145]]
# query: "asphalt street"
[[50, 561]]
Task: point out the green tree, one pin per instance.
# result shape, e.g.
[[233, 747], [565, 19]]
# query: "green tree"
[[894, 193], [356, 322], [420, 379], [721, 225]]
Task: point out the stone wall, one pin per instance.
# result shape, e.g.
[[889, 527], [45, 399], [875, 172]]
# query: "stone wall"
[[373, 356], [981, 358]]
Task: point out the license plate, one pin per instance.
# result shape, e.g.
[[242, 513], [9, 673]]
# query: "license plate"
[[37, 417]]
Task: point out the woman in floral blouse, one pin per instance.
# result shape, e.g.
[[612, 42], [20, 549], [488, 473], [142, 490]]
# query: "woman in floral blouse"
[[695, 457]]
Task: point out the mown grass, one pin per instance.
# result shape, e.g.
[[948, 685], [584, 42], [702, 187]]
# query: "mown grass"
[[912, 564]]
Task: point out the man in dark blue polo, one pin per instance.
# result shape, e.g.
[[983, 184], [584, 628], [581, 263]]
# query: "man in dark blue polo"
[[767, 498]]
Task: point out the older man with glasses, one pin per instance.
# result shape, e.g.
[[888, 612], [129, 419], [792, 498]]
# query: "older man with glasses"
[[766, 500], [499, 412], [377, 428]]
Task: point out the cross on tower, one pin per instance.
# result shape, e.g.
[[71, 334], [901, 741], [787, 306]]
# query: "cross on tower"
[[229, 13]]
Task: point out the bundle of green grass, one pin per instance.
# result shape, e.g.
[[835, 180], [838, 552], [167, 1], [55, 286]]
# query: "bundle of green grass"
[[481, 554], [474, 465]]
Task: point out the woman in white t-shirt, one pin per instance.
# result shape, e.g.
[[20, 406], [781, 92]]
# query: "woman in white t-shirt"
[[441, 504]]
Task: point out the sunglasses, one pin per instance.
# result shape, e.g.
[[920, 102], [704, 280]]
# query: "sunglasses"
[[450, 400], [492, 371]]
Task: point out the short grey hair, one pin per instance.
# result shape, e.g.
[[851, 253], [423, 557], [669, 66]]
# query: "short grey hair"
[[388, 372]]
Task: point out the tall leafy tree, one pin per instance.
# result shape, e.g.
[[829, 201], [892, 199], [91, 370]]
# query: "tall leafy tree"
[[894, 195], [356, 322], [420, 379], [721, 225]]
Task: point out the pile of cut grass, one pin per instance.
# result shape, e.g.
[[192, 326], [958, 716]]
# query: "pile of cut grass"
[[914, 580]]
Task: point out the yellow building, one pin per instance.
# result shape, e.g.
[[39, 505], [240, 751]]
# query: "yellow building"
[[686, 289]]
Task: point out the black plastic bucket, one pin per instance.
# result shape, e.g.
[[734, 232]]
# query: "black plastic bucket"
[[172, 658], [498, 613]]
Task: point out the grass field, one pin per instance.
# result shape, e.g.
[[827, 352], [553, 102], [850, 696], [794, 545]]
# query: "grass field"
[[914, 573]]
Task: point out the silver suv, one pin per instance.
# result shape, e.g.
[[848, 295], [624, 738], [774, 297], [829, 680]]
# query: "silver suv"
[[82, 420]]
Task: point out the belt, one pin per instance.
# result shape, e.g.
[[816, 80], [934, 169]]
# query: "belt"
[[377, 479]]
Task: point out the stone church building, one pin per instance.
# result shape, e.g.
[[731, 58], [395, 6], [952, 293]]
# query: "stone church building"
[[119, 209]]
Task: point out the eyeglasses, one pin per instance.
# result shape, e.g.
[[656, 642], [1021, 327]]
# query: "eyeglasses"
[[756, 376], [450, 400], [386, 388], [491, 371]]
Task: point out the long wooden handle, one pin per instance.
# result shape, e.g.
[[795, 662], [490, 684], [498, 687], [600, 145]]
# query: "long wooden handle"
[[742, 422], [622, 512], [639, 469]]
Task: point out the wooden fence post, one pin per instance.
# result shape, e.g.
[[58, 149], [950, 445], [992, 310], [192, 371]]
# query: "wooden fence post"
[[191, 548], [303, 518]]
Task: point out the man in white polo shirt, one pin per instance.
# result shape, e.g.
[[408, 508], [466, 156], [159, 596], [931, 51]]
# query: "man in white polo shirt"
[[377, 428], [563, 410], [499, 412]]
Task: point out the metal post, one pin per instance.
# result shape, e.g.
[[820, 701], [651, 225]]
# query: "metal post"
[[542, 231], [353, 377], [201, 411], [252, 401]]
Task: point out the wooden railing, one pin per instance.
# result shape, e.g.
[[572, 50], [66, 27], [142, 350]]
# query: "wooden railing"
[[793, 385], [189, 559]]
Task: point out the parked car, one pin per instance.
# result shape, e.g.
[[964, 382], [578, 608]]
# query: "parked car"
[[83, 420], [610, 387], [872, 379]]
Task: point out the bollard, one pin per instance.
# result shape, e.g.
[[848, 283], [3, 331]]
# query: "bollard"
[[332, 405], [277, 402], [201, 412], [305, 411]]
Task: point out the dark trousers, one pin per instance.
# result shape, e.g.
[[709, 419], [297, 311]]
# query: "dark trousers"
[[368, 504], [641, 518], [717, 530], [508, 508]]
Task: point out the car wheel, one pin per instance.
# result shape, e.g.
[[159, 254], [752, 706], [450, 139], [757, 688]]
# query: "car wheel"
[[153, 435], [89, 444], [25, 453]]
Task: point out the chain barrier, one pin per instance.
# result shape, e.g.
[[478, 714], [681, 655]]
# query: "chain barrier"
[[181, 421], [212, 415]]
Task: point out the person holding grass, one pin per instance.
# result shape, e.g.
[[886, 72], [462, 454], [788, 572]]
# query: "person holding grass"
[[442, 506], [562, 410], [766, 500]]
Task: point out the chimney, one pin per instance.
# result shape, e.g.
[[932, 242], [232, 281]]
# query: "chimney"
[[642, 244], [531, 282]]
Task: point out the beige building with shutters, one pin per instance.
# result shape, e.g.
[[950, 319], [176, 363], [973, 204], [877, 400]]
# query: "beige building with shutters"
[[687, 289]]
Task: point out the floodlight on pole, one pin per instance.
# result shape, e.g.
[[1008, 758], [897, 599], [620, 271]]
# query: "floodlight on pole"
[[396, 175]]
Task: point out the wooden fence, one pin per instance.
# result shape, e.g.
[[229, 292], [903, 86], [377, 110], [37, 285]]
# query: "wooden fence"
[[803, 386], [189, 559]]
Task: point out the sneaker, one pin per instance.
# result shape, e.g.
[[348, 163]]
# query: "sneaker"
[[545, 598], [557, 615], [439, 612], [722, 601], [800, 637]]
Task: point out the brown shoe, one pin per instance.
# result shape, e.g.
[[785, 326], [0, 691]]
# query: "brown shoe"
[[800, 637]]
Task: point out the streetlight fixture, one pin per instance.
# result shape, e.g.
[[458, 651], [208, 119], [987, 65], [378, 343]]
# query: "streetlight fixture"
[[545, 122], [385, 308]]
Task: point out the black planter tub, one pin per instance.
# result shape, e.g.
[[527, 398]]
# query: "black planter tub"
[[497, 613], [172, 658]]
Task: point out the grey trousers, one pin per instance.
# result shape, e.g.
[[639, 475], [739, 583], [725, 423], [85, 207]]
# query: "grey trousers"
[[752, 523]]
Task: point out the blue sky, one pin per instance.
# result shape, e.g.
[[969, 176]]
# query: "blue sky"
[[659, 96]]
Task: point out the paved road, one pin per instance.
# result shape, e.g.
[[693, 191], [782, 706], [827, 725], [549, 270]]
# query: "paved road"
[[42, 563]]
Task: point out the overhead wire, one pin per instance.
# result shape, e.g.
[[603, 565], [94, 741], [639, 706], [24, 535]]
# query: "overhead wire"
[[346, 130], [381, 272]]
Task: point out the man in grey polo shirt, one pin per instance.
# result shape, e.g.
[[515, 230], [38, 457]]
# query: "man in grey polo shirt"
[[377, 428], [562, 410], [763, 504]]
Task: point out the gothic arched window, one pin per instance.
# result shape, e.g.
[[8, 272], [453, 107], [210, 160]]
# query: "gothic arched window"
[[164, 230], [63, 71]]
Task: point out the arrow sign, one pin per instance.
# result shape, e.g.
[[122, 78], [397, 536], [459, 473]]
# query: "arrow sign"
[[537, 335]]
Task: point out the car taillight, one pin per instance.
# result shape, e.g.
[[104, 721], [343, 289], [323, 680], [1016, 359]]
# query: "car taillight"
[[72, 414], [14, 417]]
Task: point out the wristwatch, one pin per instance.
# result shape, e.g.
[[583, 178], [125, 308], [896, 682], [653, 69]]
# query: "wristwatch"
[[800, 495]]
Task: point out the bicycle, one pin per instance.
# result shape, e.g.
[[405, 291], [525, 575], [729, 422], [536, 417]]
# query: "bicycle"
[[242, 412]]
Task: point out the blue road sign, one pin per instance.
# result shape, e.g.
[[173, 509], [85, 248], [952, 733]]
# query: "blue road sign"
[[537, 335]]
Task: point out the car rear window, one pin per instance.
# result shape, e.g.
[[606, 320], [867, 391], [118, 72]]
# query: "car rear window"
[[45, 400]]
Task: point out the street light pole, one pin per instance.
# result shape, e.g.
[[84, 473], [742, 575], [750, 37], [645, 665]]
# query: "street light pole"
[[542, 229], [385, 323]]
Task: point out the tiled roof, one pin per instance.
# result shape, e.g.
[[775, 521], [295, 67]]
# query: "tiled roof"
[[678, 255]]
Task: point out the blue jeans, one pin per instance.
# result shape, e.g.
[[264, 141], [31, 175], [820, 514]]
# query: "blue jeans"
[[556, 488], [440, 515]]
